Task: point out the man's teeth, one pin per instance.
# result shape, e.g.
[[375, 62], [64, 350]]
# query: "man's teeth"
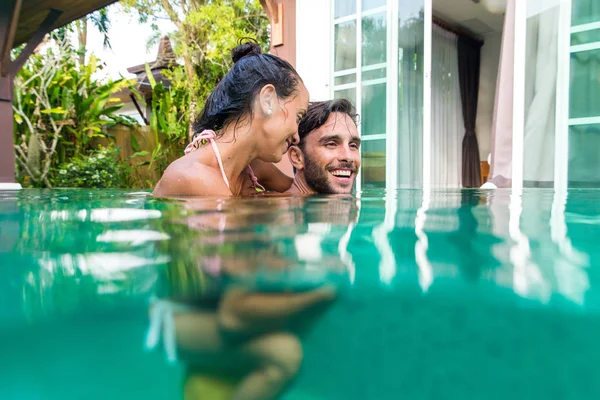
[[345, 174]]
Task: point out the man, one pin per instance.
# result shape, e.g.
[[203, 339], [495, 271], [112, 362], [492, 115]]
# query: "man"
[[327, 158]]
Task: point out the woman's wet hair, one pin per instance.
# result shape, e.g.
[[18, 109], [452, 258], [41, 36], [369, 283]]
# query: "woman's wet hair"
[[234, 95], [318, 113]]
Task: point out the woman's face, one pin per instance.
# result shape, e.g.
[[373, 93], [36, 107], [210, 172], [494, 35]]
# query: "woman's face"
[[281, 126]]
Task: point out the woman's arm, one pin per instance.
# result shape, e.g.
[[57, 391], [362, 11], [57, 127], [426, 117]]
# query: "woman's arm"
[[241, 310], [271, 177]]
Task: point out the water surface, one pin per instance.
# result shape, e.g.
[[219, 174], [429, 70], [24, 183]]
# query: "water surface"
[[443, 294]]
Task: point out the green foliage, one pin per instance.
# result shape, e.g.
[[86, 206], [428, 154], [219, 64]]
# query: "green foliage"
[[170, 116], [206, 33], [100, 169], [226, 22], [101, 21], [59, 108]]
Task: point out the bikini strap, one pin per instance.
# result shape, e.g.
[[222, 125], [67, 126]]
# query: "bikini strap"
[[210, 136], [199, 140], [255, 180]]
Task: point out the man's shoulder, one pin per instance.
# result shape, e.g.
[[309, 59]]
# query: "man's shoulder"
[[270, 176]]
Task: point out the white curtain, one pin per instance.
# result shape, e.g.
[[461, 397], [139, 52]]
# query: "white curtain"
[[502, 126], [410, 101], [540, 98], [447, 126]]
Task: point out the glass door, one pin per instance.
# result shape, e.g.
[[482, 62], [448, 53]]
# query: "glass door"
[[556, 136]]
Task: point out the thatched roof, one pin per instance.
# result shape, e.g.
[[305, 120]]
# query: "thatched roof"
[[33, 12], [165, 59]]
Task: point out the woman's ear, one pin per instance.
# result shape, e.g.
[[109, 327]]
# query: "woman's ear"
[[296, 157], [267, 99]]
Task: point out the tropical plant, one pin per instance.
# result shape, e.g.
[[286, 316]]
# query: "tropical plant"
[[99, 19], [58, 109], [100, 169], [169, 116], [206, 32]]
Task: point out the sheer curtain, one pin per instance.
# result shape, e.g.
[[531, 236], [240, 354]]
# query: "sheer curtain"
[[540, 98], [501, 160], [447, 127], [410, 97]]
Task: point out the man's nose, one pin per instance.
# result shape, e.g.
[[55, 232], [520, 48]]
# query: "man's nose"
[[346, 154]]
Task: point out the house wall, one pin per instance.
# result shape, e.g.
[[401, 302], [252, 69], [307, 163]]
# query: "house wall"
[[287, 51], [314, 46], [490, 58]]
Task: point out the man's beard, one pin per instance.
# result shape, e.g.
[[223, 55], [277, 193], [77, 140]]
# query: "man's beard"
[[316, 177]]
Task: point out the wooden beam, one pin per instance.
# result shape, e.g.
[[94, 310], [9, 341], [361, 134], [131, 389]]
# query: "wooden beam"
[[9, 37], [5, 14], [135, 103], [270, 7], [36, 39]]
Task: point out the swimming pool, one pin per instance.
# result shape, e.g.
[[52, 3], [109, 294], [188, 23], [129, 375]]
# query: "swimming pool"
[[442, 294]]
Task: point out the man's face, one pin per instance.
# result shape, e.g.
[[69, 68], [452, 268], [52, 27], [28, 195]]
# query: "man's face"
[[331, 156]]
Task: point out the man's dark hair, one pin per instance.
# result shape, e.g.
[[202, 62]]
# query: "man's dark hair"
[[319, 111]]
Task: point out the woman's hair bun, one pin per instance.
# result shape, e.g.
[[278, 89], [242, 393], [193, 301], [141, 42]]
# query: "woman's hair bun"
[[245, 49]]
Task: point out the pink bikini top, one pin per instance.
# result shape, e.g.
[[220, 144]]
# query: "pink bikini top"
[[210, 135]]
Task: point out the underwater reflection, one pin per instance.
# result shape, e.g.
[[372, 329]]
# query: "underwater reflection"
[[571, 264], [537, 258], [236, 283], [69, 252], [237, 294]]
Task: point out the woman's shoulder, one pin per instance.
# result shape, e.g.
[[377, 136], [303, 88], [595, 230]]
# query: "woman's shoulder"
[[190, 178]]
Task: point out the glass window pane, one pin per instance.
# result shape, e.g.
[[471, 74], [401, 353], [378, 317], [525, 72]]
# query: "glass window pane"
[[410, 94], [585, 37], [342, 80], [584, 163], [374, 39], [373, 112], [371, 4], [373, 164], [348, 94], [585, 84], [374, 74], [585, 11], [345, 46], [343, 8]]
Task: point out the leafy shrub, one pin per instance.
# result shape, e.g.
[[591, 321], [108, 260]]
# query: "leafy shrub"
[[99, 169], [59, 109]]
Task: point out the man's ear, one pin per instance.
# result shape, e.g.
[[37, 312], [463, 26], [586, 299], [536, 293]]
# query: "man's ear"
[[296, 157]]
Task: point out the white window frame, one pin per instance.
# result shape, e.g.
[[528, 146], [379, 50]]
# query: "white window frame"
[[427, 59], [563, 91], [520, 53]]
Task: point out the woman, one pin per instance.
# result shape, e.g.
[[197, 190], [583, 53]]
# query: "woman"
[[248, 123]]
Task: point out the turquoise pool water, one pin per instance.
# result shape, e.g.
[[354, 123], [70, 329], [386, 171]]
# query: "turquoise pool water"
[[441, 295]]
